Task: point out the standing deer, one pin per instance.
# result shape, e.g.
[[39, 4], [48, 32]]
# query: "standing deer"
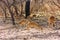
[[51, 21]]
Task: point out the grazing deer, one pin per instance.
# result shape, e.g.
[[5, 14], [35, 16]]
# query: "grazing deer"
[[51, 21], [23, 22], [34, 25], [29, 24]]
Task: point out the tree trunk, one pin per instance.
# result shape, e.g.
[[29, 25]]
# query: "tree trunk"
[[27, 9], [21, 8], [5, 14], [16, 10], [12, 16]]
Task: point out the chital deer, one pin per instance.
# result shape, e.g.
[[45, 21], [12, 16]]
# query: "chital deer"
[[34, 25], [23, 22], [51, 21], [30, 24]]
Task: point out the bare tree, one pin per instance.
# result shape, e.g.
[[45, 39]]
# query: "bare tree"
[[56, 3], [8, 5], [4, 10], [21, 7], [16, 9]]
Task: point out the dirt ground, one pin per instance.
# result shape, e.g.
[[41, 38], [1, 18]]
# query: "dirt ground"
[[10, 32]]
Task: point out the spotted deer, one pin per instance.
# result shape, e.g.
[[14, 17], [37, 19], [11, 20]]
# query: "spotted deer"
[[30, 24], [51, 21], [34, 25]]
